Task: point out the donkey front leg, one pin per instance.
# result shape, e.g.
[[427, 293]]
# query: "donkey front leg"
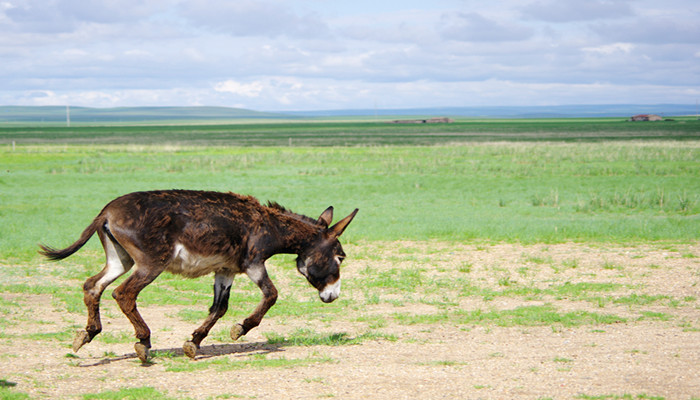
[[222, 290], [258, 274]]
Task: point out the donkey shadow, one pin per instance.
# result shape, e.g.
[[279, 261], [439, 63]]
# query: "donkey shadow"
[[203, 353]]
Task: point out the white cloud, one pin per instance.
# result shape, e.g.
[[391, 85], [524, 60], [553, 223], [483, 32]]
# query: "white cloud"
[[137, 53], [72, 52], [473, 27], [252, 89], [281, 54], [194, 54], [253, 18], [609, 49], [569, 11], [66, 14], [285, 93], [49, 97], [655, 30]]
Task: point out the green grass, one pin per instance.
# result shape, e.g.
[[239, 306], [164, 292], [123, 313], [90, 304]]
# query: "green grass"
[[7, 394], [613, 191], [546, 315], [64, 336], [307, 337], [7, 391], [394, 280], [640, 299], [328, 133], [116, 337], [504, 183], [228, 364], [193, 316], [145, 392], [625, 396], [653, 315], [523, 190], [71, 300], [562, 360]]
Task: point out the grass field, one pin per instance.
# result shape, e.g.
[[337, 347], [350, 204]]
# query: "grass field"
[[576, 244], [359, 133], [527, 192]]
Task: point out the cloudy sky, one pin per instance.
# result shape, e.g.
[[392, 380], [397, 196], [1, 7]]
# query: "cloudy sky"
[[275, 55]]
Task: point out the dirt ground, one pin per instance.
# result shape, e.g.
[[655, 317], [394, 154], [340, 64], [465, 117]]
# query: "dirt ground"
[[655, 353]]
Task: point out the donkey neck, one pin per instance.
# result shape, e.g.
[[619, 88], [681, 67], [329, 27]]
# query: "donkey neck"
[[291, 233]]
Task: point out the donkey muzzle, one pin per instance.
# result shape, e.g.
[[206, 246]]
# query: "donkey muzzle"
[[330, 292]]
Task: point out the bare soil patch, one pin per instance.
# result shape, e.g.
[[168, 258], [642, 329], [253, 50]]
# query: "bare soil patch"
[[421, 345]]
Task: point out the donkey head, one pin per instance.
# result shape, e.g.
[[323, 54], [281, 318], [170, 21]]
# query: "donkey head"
[[320, 261]]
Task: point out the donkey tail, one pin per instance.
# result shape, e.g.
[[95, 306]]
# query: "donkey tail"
[[56, 254]]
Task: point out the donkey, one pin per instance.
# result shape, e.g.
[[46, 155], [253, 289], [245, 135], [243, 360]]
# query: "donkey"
[[194, 233]]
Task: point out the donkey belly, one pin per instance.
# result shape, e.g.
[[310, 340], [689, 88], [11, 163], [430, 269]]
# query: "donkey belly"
[[193, 265]]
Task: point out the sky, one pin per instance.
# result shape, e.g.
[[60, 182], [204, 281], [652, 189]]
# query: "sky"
[[298, 55]]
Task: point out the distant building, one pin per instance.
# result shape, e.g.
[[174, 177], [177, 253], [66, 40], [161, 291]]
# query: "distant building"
[[646, 117], [442, 120]]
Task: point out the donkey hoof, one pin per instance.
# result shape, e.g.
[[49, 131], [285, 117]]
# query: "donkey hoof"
[[142, 351], [190, 349], [237, 331], [81, 337]]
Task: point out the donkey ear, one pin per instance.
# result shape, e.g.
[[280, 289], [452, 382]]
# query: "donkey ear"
[[327, 217], [337, 229]]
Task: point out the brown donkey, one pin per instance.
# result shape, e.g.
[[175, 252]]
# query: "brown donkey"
[[195, 233]]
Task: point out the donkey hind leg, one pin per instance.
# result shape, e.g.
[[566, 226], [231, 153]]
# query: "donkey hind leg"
[[118, 262], [222, 290], [257, 274], [126, 294]]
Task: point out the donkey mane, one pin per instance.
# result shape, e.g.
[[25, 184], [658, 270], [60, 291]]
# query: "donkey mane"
[[276, 206]]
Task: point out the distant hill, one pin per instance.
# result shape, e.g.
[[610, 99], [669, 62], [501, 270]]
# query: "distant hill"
[[127, 114], [135, 115]]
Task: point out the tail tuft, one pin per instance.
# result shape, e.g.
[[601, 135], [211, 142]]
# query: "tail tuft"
[[54, 254]]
